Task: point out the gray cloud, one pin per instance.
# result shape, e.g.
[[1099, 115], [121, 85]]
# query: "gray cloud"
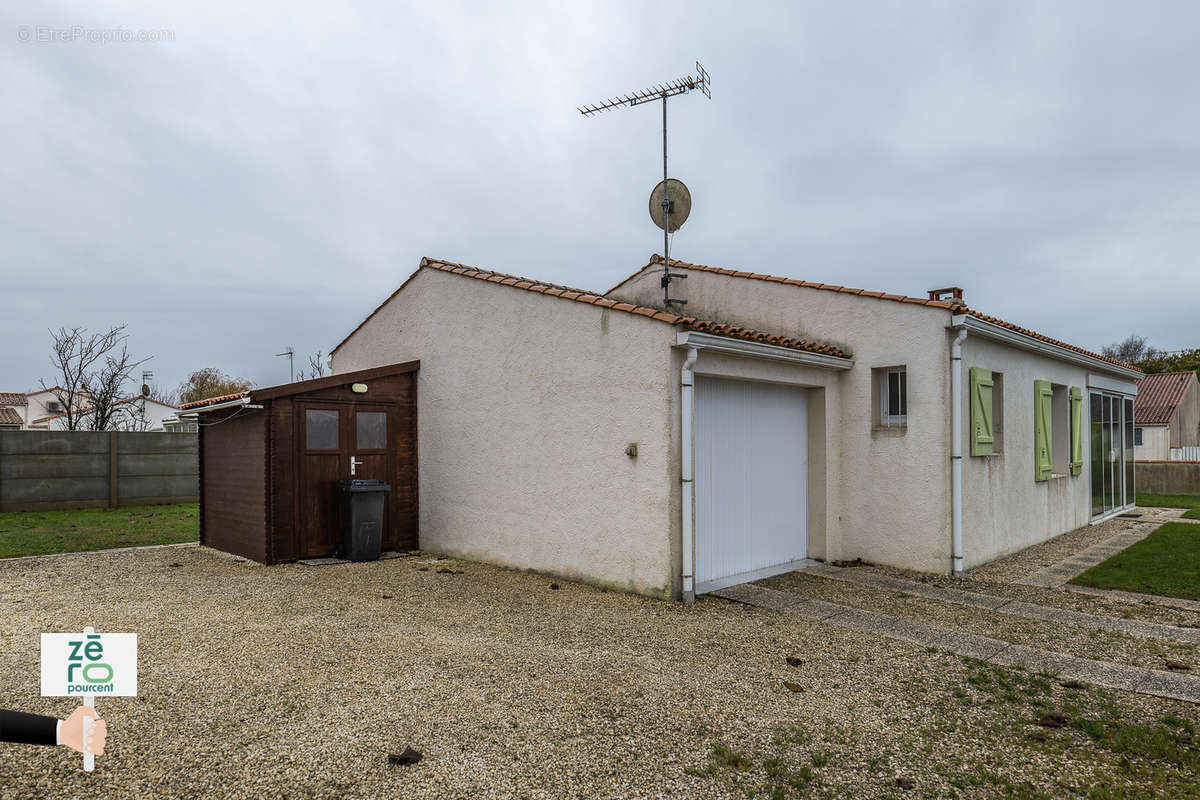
[[266, 177]]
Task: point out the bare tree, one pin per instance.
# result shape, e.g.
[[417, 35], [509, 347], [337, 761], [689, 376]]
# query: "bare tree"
[[92, 372], [1130, 350], [109, 384], [168, 396], [317, 365]]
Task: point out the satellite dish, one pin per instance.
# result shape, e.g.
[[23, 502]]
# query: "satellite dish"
[[681, 204]]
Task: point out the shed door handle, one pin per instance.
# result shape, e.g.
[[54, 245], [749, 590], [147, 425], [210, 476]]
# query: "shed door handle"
[[354, 462]]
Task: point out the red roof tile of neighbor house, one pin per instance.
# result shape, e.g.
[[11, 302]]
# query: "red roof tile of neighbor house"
[[9, 416], [13, 399], [954, 306], [1159, 396], [210, 400], [584, 296]]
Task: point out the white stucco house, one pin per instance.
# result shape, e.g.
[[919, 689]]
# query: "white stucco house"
[[673, 452], [22, 410], [129, 414]]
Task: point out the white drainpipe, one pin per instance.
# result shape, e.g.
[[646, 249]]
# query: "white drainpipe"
[[956, 448], [687, 444]]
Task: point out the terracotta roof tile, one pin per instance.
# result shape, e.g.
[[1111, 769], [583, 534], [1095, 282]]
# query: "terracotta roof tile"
[[955, 306], [9, 416], [13, 399], [1041, 337], [210, 400], [581, 296], [1159, 396], [657, 259]]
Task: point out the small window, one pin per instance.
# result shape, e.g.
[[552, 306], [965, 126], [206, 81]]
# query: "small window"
[[320, 429], [893, 396], [53, 406], [371, 430], [1137, 437]]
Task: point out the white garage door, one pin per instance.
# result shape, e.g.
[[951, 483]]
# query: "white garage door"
[[751, 477]]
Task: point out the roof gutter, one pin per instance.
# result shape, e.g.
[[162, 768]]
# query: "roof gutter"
[[990, 330]]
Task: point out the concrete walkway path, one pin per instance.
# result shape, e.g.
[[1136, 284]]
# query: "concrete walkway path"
[[996, 651], [1057, 575], [1008, 605]]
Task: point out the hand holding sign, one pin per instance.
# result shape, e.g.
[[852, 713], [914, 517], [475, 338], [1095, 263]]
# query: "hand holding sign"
[[72, 734], [85, 665]]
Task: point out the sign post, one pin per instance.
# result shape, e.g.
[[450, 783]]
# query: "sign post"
[[89, 664]]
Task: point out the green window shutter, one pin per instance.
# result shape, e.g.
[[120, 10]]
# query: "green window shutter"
[[1043, 395], [982, 435], [1076, 430]]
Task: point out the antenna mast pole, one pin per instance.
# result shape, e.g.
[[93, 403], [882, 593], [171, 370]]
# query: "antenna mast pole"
[[700, 81], [666, 281]]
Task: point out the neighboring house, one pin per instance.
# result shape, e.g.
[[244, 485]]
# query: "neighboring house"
[[130, 414], [173, 424], [606, 439], [30, 406], [1168, 415]]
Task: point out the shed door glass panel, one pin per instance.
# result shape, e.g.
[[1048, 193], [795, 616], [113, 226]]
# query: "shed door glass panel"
[[371, 430], [320, 429]]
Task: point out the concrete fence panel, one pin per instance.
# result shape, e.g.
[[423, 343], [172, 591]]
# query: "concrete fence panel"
[[87, 469], [1168, 477]]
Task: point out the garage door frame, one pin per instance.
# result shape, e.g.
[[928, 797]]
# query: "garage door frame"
[[746, 353]]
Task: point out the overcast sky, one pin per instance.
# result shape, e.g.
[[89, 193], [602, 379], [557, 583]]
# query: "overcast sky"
[[263, 178]]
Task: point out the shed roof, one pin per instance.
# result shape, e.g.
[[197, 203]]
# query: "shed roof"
[[584, 296], [954, 306], [1159, 396], [311, 385]]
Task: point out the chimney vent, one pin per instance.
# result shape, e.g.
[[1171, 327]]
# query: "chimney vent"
[[949, 294]]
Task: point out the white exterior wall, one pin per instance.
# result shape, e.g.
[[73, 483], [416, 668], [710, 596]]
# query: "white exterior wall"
[[526, 404], [1156, 443], [1004, 508], [889, 490]]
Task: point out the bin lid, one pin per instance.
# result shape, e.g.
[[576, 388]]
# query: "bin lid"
[[363, 485]]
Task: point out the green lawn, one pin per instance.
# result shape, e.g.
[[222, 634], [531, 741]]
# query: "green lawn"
[[1167, 562], [33, 533]]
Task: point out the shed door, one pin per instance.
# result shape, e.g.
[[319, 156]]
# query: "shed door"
[[751, 471], [330, 435]]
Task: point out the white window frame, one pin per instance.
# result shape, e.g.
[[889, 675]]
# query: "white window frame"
[[886, 418]]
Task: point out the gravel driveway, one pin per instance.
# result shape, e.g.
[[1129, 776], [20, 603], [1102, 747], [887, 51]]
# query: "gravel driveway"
[[297, 681]]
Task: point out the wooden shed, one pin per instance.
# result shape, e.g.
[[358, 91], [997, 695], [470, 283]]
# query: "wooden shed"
[[271, 459]]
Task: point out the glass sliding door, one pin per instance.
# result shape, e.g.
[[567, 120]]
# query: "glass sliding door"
[[1095, 402], [1111, 419]]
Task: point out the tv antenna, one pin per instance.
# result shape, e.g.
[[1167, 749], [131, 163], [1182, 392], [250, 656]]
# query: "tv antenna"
[[670, 213], [291, 357]]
